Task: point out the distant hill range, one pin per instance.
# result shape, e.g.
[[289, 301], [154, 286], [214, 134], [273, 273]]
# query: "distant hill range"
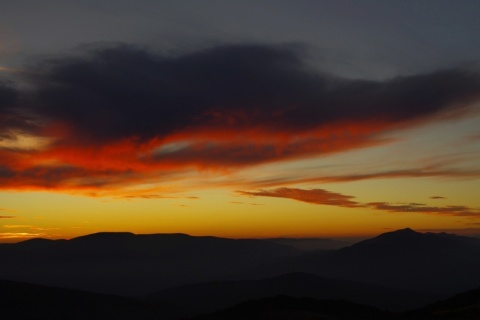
[[124, 263], [396, 270], [312, 244], [210, 296]]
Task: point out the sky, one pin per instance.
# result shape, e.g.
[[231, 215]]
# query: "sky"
[[242, 119]]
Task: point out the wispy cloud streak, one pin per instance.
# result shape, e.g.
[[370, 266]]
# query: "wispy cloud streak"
[[388, 174]]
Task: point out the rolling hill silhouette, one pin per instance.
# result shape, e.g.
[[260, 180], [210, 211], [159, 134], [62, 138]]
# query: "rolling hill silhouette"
[[211, 296]]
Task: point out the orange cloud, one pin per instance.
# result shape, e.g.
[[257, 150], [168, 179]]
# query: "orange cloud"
[[461, 211], [16, 226], [316, 196], [19, 235], [324, 197]]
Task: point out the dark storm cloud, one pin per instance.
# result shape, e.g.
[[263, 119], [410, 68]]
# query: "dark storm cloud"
[[8, 96], [128, 92], [122, 92], [116, 115], [8, 100], [14, 118]]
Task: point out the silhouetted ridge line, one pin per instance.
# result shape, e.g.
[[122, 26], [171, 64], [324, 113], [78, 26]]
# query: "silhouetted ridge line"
[[36, 240], [125, 263], [104, 235], [397, 235]]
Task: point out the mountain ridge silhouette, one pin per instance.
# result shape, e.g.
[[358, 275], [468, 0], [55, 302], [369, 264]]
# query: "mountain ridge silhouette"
[[130, 264]]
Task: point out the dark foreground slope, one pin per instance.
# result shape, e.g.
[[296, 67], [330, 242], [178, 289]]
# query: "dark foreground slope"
[[430, 262], [288, 308], [211, 296], [124, 263], [27, 301], [463, 306]]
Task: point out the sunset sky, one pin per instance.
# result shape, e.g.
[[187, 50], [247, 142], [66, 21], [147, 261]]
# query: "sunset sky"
[[239, 118]]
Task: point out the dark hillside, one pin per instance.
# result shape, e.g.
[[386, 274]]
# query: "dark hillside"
[[26, 301]]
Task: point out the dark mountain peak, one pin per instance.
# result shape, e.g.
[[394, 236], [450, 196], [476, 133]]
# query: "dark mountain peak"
[[408, 244], [405, 231], [101, 236], [401, 234], [397, 236], [395, 242], [408, 234]]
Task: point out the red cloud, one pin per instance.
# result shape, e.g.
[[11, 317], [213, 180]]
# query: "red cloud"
[[123, 116], [129, 161]]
